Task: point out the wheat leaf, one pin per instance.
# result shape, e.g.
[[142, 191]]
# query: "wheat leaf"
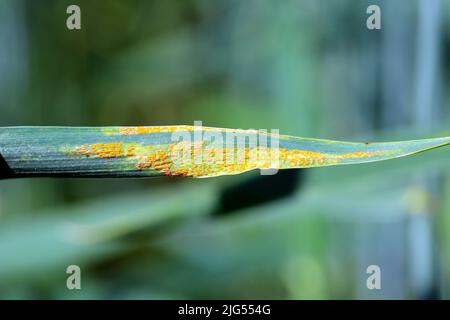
[[178, 151]]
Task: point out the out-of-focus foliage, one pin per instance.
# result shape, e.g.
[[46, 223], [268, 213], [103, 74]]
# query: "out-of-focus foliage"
[[309, 68]]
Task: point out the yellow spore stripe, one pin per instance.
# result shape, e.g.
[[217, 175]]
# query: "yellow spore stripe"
[[145, 130], [136, 130], [161, 129], [180, 158], [102, 150]]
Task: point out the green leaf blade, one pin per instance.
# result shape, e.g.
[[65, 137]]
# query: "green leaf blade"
[[198, 152]]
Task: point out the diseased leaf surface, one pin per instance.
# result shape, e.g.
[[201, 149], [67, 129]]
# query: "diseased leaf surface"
[[197, 152]]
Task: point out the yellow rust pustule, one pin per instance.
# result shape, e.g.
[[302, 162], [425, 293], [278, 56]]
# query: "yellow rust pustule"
[[102, 150], [162, 129], [199, 160], [179, 159], [156, 129]]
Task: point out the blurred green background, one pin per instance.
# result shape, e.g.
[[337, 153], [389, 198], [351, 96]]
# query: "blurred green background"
[[309, 68]]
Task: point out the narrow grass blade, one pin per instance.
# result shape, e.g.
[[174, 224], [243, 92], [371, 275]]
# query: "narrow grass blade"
[[178, 151]]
